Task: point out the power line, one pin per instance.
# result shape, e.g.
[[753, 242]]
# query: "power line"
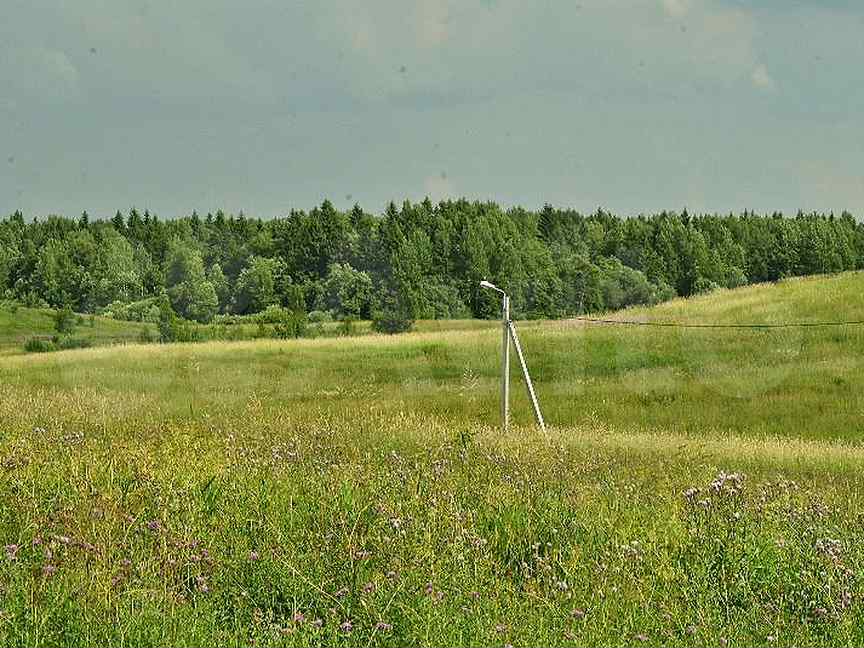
[[595, 320]]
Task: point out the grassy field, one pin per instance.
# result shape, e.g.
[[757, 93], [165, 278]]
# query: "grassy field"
[[696, 486], [18, 323]]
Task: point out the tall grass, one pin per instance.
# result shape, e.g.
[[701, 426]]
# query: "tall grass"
[[691, 491]]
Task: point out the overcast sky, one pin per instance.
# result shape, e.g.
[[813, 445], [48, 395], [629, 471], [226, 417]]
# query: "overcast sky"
[[265, 105]]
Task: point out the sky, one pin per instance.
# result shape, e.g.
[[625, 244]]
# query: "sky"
[[267, 105]]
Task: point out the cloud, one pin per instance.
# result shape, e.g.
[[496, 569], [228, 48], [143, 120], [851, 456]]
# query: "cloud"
[[676, 8], [438, 187], [761, 78], [431, 20]]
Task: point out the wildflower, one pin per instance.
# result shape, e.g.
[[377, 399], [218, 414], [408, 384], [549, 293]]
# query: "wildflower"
[[500, 628], [831, 548], [383, 627], [317, 623], [49, 570], [390, 574], [363, 554], [346, 626], [429, 589], [154, 525], [641, 637], [201, 581], [12, 551], [691, 629], [63, 539], [253, 555], [770, 638], [845, 599], [298, 617], [578, 613], [369, 587], [37, 541], [341, 593], [562, 585]]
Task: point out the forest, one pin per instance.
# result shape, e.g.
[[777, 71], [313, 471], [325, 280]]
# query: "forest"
[[417, 261]]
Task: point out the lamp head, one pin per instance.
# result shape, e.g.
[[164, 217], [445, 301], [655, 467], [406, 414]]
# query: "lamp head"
[[491, 286]]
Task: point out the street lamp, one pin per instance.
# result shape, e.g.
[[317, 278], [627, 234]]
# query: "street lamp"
[[509, 334]]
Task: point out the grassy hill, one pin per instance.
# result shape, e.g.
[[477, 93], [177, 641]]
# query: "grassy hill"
[[696, 485], [17, 323]]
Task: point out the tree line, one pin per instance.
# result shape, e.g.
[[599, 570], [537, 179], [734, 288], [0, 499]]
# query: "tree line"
[[420, 260]]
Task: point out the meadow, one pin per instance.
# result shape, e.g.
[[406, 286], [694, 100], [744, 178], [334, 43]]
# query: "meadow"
[[695, 487]]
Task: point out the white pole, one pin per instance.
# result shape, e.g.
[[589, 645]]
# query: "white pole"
[[505, 363], [537, 414]]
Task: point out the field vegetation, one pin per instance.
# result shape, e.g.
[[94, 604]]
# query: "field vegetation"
[[696, 486]]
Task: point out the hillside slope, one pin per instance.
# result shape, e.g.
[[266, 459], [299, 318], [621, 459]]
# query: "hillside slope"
[[17, 323], [359, 491], [804, 383]]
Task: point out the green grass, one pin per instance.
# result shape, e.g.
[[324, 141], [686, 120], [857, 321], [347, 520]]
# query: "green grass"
[[17, 323], [365, 480]]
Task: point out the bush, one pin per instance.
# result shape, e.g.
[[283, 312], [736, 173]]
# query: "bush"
[[55, 343], [173, 328], [39, 345], [393, 315], [392, 322], [319, 317], [348, 325], [292, 325], [271, 315], [64, 343], [65, 320], [145, 336], [145, 310]]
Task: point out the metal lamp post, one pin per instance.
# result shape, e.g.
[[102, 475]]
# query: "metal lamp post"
[[509, 334]]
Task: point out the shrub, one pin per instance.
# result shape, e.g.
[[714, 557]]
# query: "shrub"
[[292, 325], [39, 345], [171, 327], [65, 320], [145, 310], [392, 322], [319, 317], [64, 343], [271, 315], [348, 325]]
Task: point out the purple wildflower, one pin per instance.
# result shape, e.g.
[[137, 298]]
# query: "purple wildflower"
[[383, 627], [317, 623], [154, 525], [201, 581], [253, 555], [298, 617], [49, 570], [369, 587], [346, 626], [12, 551]]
